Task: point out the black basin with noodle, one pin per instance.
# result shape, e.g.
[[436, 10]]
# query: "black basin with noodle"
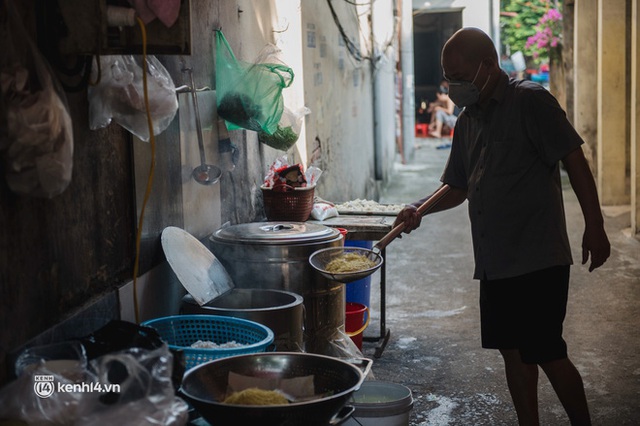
[[205, 386]]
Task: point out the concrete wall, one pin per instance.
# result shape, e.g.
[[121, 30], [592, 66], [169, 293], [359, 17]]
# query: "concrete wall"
[[607, 59], [635, 118], [66, 264], [613, 109], [586, 75], [338, 92]]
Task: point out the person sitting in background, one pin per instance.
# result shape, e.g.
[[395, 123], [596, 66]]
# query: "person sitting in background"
[[442, 112]]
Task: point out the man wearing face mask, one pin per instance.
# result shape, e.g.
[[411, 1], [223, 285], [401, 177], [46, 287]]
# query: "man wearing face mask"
[[505, 155]]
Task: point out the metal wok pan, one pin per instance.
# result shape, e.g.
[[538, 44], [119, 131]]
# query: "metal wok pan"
[[319, 259], [335, 380]]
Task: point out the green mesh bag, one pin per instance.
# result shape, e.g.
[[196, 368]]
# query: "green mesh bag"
[[249, 95]]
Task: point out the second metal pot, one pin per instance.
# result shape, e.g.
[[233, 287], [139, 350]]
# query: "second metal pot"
[[281, 311]]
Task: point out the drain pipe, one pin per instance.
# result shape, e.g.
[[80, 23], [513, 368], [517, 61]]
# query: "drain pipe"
[[377, 137], [408, 80]]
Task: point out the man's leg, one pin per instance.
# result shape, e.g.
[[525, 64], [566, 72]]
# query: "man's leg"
[[567, 383], [522, 380], [437, 131], [432, 120]]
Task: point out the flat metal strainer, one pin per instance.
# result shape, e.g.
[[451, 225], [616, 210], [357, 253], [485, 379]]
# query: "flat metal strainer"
[[320, 258]]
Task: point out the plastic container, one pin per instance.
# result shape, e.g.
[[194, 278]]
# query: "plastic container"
[[359, 291], [379, 403], [344, 233], [181, 331], [356, 321]]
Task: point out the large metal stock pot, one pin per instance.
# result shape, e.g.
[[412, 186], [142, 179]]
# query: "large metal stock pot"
[[275, 255]]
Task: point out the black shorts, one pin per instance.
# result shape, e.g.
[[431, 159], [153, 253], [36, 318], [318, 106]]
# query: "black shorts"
[[526, 313]]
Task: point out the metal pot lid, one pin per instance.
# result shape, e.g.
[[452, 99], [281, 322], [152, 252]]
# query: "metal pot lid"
[[197, 269], [275, 233]]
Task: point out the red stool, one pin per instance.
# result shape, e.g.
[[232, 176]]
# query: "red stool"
[[422, 129]]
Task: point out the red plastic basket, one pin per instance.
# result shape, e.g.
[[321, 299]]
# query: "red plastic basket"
[[290, 204]]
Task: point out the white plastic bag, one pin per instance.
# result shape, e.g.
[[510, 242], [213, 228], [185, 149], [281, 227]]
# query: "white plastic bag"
[[37, 142], [323, 210], [146, 395], [119, 95], [36, 402], [125, 388], [287, 131]]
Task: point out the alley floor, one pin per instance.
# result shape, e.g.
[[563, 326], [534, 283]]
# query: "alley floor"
[[432, 313]]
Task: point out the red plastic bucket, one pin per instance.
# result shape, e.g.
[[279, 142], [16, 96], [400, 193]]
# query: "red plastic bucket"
[[343, 232], [355, 323]]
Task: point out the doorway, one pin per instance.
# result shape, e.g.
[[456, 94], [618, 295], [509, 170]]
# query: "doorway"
[[430, 31]]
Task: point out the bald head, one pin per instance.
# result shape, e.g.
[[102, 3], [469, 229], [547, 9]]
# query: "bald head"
[[470, 56], [470, 45]]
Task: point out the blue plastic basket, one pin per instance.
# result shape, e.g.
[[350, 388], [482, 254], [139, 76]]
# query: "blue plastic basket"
[[181, 331]]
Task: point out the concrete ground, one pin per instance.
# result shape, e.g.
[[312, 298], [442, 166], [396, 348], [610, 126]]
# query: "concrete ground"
[[432, 312]]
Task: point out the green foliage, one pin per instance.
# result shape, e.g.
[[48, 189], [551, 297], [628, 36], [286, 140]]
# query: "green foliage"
[[520, 22]]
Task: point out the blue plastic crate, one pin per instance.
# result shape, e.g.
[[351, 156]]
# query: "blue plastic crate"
[[181, 331]]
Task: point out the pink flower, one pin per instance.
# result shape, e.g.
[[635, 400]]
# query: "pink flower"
[[547, 35], [554, 15]]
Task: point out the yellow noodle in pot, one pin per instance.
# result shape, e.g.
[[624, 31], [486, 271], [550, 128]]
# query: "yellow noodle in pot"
[[255, 396], [349, 262]]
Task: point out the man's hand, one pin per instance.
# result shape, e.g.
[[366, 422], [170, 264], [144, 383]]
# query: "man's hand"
[[446, 197], [596, 244], [410, 217], [594, 240]]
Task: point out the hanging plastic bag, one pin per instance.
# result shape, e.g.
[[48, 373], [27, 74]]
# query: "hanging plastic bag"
[[36, 132], [287, 131], [119, 95], [249, 95]]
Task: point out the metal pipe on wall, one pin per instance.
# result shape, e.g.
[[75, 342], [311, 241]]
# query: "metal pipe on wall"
[[408, 79], [377, 148]]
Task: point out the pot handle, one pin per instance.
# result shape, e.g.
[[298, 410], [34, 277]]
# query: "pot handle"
[[363, 328], [182, 395], [364, 364], [342, 415]]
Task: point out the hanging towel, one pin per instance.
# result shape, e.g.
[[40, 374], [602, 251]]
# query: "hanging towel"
[[165, 10]]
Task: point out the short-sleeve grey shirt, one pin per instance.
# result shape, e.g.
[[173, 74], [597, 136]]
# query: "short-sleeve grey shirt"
[[507, 159]]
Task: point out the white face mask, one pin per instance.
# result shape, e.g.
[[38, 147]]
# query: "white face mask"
[[465, 93]]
